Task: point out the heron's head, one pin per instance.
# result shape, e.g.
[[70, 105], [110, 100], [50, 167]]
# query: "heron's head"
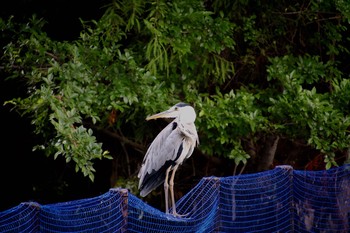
[[183, 111]]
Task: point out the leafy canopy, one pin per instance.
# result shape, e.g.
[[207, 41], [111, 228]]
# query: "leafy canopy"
[[250, 71]]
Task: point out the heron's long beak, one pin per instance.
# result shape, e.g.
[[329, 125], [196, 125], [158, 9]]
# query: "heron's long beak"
[[165, 114]]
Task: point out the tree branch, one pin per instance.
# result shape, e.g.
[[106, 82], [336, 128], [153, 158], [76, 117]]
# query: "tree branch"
[[120, 138]]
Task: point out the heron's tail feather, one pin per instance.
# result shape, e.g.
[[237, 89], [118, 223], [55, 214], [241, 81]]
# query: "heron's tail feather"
[[151, 182], [154, 179]]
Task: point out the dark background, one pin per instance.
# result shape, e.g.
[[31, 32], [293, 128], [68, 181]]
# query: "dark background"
[[27, 175]]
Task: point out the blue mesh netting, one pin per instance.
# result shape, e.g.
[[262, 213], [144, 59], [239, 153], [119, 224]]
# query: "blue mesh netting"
[[22, 218], [280, 200]]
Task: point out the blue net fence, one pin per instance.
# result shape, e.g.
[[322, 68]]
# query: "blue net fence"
[[280, 200]]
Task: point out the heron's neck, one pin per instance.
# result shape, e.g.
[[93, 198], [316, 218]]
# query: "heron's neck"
[[187, 115]]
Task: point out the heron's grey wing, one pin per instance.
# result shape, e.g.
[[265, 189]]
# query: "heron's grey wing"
[[161, 154]]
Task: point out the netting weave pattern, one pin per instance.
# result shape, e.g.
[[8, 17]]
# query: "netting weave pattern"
[[280, 200]]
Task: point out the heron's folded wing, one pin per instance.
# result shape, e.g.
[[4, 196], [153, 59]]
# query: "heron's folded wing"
[[164, 148]]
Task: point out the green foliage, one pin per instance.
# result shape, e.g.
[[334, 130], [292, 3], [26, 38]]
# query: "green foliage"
[[302, 111], [344, 8], [275, 68], [228, 118], [74, 85]]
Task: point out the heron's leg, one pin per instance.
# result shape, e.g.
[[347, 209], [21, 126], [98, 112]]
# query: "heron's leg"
[[171, 184], [166, 190]]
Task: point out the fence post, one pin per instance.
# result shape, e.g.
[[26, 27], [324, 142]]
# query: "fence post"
[[215, 181], [289, 169], [36, 207], [124, 195]]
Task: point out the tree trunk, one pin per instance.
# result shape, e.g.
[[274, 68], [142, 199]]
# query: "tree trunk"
[[268, 152]]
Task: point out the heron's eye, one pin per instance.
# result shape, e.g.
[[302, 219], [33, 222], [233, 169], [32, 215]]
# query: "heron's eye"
[[176, 108]]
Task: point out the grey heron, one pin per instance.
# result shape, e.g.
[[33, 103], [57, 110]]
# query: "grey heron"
[[172, 146]]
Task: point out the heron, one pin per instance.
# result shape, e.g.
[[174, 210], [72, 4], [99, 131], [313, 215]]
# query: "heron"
[[172, 146]]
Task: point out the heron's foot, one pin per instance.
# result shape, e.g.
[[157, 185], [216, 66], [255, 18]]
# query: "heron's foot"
[[175, 214]]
